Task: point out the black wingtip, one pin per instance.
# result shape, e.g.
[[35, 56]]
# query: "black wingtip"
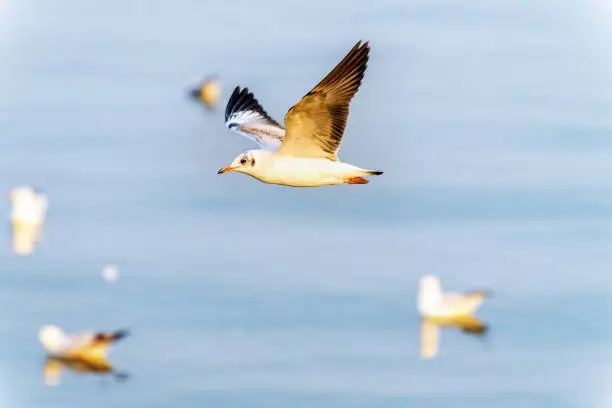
[[195, 93], [231, 103], [243, 100], [377, 173], [362, 44], [120, 334]]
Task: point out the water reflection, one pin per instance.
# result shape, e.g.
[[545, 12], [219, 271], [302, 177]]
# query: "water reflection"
[[25, 237], [54, 366], [431, 326]]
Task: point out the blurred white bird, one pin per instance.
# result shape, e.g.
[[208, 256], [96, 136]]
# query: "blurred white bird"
[[432, 302], [29, 206], [439, 309], [88, 346]]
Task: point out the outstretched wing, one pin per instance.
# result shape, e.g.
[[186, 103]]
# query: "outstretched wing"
[[315, 124], [245, 115]]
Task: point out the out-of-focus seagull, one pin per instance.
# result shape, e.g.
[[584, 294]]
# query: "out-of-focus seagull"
[[305, 154], [208, 92], [432, 302], [88, 346], [439, 309], [29, 206]]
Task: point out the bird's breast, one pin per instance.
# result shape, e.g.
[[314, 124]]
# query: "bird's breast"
[[301, 172]]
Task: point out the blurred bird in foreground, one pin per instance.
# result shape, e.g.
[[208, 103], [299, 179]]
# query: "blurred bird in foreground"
[[208, 92], [306, 153], [28, 215], [84, 350], [439, 309]]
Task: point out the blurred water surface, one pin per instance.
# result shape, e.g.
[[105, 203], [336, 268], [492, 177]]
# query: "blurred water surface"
[[491, 121]]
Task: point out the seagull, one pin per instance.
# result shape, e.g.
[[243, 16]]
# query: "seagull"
[[84, 346], [439, 309], [29, 206], [207, 93], [433, 303], [305, 154]]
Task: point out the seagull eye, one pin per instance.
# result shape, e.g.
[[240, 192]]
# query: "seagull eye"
[[243, 160]]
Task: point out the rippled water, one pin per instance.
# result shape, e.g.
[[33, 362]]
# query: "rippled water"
[[492, 123]]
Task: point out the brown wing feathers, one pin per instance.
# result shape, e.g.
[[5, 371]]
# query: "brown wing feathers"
[[343, 82], [338, 88], [319, 118]]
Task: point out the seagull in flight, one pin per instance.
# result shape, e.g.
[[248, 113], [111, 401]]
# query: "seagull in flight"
[[305, 152]]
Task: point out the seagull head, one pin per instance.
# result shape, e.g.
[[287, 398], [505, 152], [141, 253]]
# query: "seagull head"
[[21, 193], [51, 337], [430, 293], [248, 162]]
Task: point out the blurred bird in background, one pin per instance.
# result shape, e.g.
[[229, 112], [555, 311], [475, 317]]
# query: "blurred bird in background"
[[208, 92], [439, 309]]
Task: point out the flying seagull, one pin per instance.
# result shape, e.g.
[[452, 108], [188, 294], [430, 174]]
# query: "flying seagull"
[[305, 154]]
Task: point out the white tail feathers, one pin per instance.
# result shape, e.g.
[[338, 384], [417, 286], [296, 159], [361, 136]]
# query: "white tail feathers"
[[430, 293]]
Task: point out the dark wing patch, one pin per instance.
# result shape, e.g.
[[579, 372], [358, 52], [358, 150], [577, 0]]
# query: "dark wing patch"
[[243, 101], [244, 115]]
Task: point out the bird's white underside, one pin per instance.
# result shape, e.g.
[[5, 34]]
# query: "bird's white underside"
[[266, 134], [300, 172]]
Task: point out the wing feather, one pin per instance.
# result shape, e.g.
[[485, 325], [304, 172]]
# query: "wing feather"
[[244, 115], [315, 125]]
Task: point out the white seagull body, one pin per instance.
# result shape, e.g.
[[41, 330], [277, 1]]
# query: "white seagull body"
[[433, 303], [29, 206], [305, 154]]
